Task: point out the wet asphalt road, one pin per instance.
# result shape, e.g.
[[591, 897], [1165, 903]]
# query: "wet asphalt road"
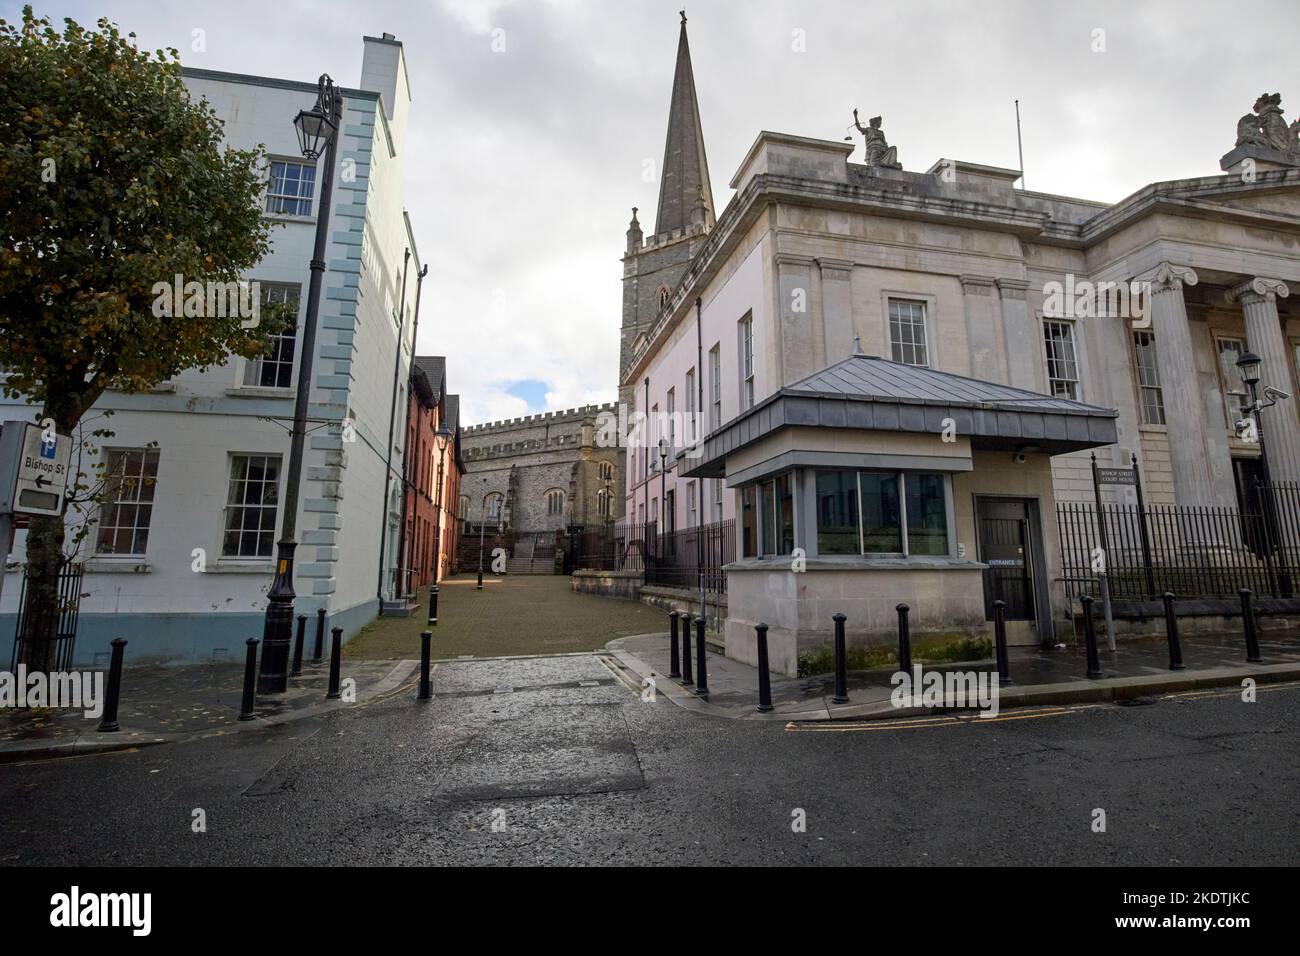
[[554, 761]]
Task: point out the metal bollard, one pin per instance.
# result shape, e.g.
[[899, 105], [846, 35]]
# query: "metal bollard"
[[426, 688], [336, 653], [687, 678], [1000, 641], [764, 678], [701, 669], [1248, 623], [904, 640], [841, 665], [320, 636], [1171, 631], [1090, 638], [433, 605], [250, 679], [479, 586], [674, 663], [297, 646], [108, 721]]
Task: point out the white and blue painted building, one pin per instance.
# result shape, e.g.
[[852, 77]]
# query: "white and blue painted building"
[[180, 565]]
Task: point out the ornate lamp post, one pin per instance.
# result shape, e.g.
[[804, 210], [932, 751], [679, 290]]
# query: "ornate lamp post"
[[317, 136], [1248, 365]]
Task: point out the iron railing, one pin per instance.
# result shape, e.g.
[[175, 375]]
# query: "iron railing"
[[674, 558], [60, 647], [1195, 552]]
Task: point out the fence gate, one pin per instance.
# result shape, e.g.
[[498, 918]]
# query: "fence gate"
[[64, 640]]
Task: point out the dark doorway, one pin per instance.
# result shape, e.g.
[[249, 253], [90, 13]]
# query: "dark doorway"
[[1006, 547], [1247, 473]]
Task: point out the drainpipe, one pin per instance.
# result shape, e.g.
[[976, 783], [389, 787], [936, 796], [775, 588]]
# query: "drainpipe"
[[410, 394], [392, 419]]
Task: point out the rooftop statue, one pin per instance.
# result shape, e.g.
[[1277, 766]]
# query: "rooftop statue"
[[1266, 127], [877, 152]]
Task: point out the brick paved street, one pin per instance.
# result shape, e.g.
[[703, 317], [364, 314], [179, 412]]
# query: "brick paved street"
[[516, 614]]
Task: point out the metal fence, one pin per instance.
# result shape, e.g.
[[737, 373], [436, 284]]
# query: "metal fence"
[[674, 558], [1195, 552], [59, 647]]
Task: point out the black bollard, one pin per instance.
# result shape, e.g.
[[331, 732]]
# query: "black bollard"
[[904, 640], [297, 646], [426, 688], [108, 720], [687, 678], [764, 678], [1090, 638], [701, 669], [1248, 622], [1000, 641], [841, 665], [674, 663], [479, 586], [336, 653], [1171, 631], [250, 679], [320, 636], [433, 605]]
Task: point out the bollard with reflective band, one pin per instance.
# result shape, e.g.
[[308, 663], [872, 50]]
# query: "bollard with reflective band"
[[433, 605], [1000, 641], [336, 653]]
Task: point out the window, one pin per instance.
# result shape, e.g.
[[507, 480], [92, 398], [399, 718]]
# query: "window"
[[690, 505], [671, 406], [652, 452], [290, 189], [746, 363], [555, 502], [492, 504], [715, 387], [640, 513], [604, 500], [130, 476], [1236, 401], [748, 519], [690, 407], [907, 343], [251, 506], [664, 296], [275, 368], [717, 500], [606, 471], [837, 513], [1148, 375], [464, 509], [900, 513], [1062, 368]]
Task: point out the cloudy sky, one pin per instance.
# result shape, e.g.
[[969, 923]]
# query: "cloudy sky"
[[526, 161]]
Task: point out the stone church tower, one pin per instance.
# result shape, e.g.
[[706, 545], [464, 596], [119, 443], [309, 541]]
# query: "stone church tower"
[[653, 266]]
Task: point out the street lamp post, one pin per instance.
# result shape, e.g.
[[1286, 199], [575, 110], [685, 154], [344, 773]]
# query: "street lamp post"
[[1248, 365], [317, 136], [481, 525], [441, 439]]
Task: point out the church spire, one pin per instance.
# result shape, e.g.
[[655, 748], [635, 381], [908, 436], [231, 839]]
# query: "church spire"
[[685, 178]]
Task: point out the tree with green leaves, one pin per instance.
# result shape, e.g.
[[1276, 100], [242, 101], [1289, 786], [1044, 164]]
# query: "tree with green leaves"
[[112, 181]]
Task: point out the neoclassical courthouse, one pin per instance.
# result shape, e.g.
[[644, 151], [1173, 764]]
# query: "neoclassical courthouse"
[[841, 311]]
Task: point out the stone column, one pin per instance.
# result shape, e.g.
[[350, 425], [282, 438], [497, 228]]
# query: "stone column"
[[985, 356], [1258, 299], [1184, 406], [1021, 336]]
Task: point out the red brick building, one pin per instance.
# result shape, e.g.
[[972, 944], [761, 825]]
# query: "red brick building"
[[433, 472]]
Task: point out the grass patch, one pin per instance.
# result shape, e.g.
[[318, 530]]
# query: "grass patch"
[[931, 649]]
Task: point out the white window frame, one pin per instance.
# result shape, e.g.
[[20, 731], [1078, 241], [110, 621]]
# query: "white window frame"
[[1147, 378], [745, 365], [715, 386], [245, 506], [1060, 363], [919, 356], [691, 430], [297, 203], [116, 482], [276, 293], [1236, 397]]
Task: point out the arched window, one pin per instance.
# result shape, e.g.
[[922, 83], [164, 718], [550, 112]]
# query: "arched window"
[[555, 502], [606, 471], [492, 505], [603, 501], [463, 505], [664, 295]]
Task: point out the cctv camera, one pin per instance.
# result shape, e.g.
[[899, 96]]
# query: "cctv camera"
[[1272, 392], [1021, 458]]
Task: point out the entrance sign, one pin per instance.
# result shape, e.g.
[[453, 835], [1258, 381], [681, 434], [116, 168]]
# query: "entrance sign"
[[1117, 476]]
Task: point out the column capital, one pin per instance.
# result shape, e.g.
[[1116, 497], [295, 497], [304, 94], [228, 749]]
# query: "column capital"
[[1167, 277], [976, 285], [1258, 289], [1012, 288]]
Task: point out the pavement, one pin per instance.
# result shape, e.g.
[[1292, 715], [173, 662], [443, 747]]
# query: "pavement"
[[1040, 676], [162, 703], [513, 615]]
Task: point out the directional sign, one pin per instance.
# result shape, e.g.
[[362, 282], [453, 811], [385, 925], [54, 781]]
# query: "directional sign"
[[35, 469]]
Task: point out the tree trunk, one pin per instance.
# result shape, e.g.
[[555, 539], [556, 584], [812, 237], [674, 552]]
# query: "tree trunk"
[[45, 535]]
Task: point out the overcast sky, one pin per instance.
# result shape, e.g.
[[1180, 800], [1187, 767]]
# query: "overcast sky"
[[525, 163]]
